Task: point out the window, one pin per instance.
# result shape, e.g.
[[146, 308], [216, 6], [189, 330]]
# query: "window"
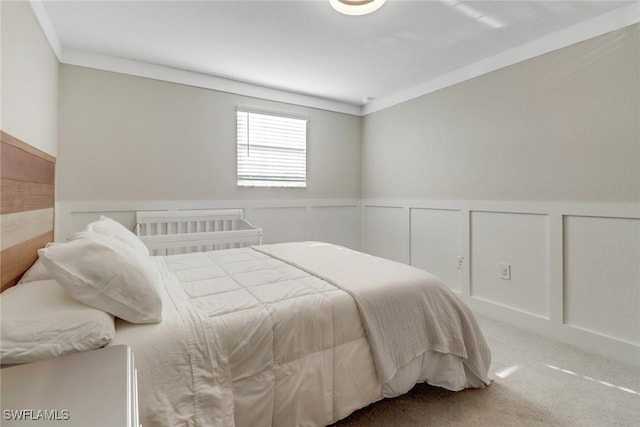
[[272, 150]]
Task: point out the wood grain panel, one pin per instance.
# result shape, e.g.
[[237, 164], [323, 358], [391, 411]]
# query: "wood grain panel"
[[27, 199], [18, 258], [20, 226], [20, 165], [15, 142], [18, 196]]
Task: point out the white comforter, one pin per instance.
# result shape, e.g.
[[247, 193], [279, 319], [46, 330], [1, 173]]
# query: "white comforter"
[[250, 340], [406, 311]]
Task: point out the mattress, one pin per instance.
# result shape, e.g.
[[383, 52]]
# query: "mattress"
[[250, 339]]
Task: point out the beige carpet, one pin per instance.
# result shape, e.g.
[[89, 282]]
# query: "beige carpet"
[[536, 382], [430, 406]]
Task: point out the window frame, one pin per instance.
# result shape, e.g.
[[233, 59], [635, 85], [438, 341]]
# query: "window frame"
[[263, 181]]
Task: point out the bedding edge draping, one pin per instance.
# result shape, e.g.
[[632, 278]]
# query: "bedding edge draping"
[[385, 291]]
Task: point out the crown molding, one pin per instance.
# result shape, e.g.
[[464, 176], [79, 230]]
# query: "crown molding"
[[175, 75], [608, 22], [37, 7], [611, 21]]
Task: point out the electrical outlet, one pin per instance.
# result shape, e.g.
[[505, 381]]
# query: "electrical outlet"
[[505, 271], [460, 259]]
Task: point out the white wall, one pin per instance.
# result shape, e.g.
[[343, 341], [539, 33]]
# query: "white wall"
[[435, 243], [536, 165], [559, 127], [129, 143], [602, 275], [29, 89]]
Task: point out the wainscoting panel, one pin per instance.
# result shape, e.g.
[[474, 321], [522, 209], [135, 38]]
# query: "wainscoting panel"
[[602, 276], [521, 242], [387, 232], [436, 244], [575, 267], [575, 274], [285, 224], [339, 225], [333, 221]]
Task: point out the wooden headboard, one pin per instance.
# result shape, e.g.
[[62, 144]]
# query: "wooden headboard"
[[27, 197]]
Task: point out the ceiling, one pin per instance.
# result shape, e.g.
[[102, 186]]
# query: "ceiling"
[[305, 47]]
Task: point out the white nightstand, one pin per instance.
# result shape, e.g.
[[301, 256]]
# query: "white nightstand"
[[95, 388]]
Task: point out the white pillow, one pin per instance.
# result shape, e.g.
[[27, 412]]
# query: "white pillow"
[[36, 272], [40, 320], [107, 274], [109, 227]]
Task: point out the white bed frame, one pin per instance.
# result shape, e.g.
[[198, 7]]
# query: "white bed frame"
[[184, 231]]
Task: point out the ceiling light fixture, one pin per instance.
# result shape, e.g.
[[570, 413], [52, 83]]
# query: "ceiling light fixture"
[[356, 7]]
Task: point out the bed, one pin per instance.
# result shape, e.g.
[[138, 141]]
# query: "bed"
[[271, 343], [299, 333]]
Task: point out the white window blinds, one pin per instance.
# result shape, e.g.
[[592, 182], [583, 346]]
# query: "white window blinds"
[[272, 150]]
